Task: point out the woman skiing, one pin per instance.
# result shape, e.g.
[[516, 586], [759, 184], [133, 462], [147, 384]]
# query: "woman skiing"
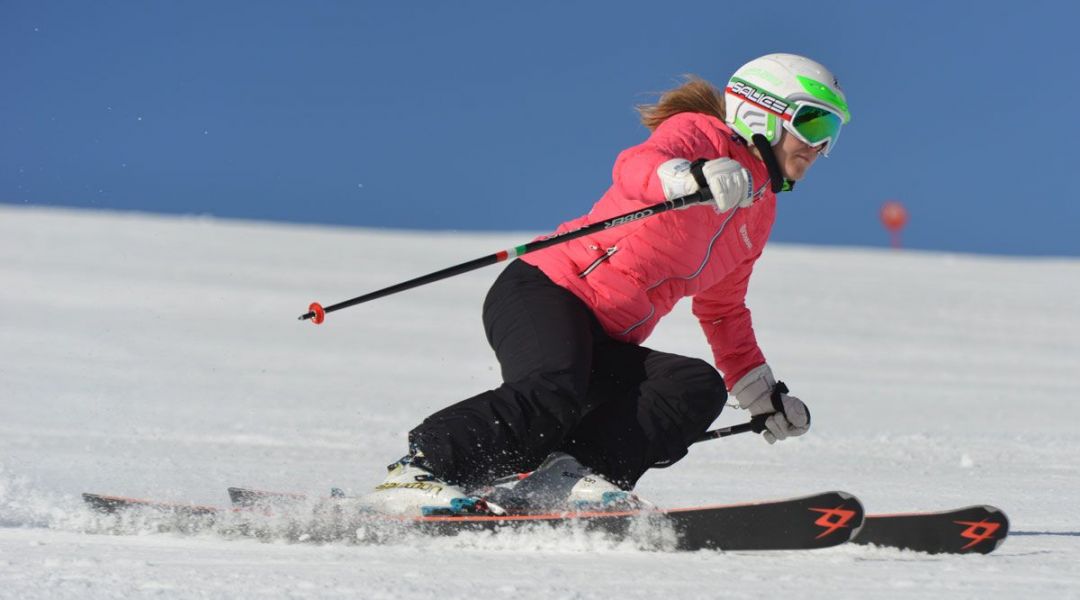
[[583, 404]]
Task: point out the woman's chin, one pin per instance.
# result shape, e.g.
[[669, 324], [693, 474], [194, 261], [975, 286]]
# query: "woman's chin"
[[796, 168], [795, 173]]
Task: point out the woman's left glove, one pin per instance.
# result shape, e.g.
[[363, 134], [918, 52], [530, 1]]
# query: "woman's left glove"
[[760, 393]]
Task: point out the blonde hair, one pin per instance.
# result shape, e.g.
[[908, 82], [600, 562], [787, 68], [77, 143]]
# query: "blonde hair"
[[695, 95]]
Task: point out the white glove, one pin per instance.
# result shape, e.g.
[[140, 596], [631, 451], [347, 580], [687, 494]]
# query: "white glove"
[[759, 392], [731, 184]]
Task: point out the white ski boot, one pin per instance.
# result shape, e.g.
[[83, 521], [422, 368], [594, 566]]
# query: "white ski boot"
[[411, 490], [562, 484]]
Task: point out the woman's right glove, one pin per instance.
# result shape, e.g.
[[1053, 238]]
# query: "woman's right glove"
[[760, 393], [729, 182]]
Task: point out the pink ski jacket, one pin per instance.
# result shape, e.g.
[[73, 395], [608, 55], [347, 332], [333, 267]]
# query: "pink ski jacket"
[[632, 275]]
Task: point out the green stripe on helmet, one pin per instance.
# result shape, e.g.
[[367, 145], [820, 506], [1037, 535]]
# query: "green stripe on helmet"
[[743, 129], [825, 94], [772, 128]]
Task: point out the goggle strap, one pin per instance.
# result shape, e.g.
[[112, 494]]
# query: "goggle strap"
[[776, 177]]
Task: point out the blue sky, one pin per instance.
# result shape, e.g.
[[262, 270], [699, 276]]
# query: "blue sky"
[[509, 115]]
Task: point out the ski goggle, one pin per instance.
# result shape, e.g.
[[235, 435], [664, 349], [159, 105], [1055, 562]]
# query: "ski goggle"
[[814, 125]]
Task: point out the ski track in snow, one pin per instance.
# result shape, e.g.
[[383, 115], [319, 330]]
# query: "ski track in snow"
[[161, 357]]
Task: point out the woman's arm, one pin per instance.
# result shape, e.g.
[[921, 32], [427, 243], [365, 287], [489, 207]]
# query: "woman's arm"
[[726, 321], [685, 135]]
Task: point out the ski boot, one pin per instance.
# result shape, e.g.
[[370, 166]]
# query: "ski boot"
[[411, 490], [562, 484]]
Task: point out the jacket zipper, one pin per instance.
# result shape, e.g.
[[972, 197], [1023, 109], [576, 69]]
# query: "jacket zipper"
[[596, 263]]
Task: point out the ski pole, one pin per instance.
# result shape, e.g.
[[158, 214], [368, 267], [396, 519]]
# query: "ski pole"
[[756, 424], [317, 313]]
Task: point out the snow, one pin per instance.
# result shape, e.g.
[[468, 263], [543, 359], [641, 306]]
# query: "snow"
[[161, 357]]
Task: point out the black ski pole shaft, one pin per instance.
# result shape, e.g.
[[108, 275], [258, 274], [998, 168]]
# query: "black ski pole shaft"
[[317, 313], [756, 424]]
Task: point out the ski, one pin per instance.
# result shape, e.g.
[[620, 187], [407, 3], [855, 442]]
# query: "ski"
[[132, 515], [973, 529], [117, 504], [817, 521], [776, 525], [247, 498]]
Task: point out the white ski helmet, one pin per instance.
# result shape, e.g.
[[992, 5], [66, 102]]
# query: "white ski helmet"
[[779, 92]]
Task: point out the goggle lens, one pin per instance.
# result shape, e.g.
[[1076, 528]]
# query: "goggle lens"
[[816, 125]]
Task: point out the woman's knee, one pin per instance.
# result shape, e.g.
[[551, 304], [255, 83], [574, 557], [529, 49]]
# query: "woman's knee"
[[695, 375]]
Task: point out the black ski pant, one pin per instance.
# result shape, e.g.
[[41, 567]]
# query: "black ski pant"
[[618, 408]]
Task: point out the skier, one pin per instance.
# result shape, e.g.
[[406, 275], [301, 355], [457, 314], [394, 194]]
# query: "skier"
[[583, 404]]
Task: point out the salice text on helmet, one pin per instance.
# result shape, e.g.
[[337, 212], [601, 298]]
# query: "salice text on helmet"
[[758, 97]]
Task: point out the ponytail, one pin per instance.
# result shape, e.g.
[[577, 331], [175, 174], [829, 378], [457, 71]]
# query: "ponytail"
[[695, 95]]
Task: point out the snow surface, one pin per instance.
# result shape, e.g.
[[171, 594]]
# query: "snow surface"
[[161, 357]]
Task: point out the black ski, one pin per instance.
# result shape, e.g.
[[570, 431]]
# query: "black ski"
[[974, 529], [783, 524], [117, 504], [247, 498], [817, 521], [132, 515]]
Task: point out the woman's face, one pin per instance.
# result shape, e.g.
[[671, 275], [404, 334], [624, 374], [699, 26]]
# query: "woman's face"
[[795, 157]]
